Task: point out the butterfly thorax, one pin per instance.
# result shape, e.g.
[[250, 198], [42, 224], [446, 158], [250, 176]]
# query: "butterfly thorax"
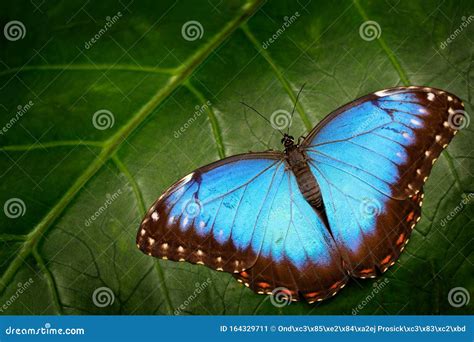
[[298, 163]]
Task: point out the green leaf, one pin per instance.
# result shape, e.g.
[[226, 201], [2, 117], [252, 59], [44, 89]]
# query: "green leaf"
[[81, 191]]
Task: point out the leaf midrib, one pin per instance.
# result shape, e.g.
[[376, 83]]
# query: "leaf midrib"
[[113, 144]]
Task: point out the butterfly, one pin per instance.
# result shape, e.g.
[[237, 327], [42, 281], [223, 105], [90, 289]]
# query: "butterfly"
[[338, 203]]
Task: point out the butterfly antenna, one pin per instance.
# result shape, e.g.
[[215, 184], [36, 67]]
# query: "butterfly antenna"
[[294, 106], [264, 118]]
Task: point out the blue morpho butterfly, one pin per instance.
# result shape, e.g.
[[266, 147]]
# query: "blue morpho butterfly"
[[341, 203]]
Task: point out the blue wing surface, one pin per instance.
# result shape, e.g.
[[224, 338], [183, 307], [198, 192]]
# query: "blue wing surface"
[[371, 159], [245, 215]]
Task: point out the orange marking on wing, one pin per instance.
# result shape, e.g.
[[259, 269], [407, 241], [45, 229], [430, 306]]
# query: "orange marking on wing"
[[410, 216], [367, 270], [401, 239], [386, 259], [288, 292], [335, 285], [263, 285], [244, 274], [312, 294]]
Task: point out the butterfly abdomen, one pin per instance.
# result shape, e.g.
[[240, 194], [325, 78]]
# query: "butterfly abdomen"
[[306, 182]]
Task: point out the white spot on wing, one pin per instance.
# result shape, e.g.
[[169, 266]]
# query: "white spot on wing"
[[431, 96], [155, 216], [382, 93]]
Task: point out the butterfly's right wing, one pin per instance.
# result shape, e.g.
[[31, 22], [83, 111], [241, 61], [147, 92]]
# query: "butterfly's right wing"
[[245, 215]]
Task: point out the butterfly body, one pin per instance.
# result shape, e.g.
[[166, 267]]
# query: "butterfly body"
[[340, 204], [298, 162]]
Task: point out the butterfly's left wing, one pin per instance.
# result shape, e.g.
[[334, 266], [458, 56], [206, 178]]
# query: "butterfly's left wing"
[[245, 215], [371, 159]]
